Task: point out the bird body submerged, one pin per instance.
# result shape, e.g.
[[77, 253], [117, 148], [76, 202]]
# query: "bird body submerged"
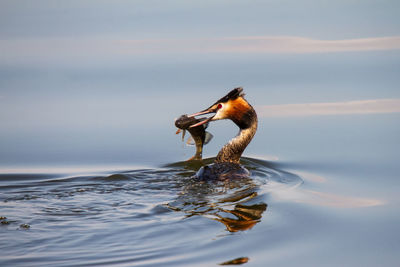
[[222, 171], [233, 106]]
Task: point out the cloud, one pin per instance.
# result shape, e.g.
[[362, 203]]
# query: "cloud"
[[375, 106]]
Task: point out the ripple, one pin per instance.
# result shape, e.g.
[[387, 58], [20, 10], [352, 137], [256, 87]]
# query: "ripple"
[[135, 210]]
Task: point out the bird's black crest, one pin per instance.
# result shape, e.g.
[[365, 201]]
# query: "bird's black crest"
[[232, 95]]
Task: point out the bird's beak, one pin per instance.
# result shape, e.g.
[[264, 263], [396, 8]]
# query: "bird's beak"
[[211, 109]]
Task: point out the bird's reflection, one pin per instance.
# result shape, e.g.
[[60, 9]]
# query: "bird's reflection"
[[234, 203], [245, 216]]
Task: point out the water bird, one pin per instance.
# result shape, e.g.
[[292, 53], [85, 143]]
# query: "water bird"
[[234, 107]]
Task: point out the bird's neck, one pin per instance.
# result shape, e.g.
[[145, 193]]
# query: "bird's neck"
[[232, 151]]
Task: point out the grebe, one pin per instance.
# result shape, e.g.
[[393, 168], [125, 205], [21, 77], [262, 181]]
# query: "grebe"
[[199, 134], [233, 106]]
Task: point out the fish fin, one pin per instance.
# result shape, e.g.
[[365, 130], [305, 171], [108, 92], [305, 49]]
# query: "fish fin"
[[183, 135], [208, 138], [190, 141]]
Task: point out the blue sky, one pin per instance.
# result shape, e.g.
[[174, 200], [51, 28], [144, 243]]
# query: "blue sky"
[[102, 76]]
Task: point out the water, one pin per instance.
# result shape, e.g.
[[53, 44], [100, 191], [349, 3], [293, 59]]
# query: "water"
[[144, 216], [323, 191], [161, 216], [91, 172]]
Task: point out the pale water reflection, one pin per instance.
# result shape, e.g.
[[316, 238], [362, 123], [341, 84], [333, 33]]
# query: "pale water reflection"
[[320, 198]]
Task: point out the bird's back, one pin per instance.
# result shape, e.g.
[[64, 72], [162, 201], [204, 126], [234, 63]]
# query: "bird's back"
[[222, 171]]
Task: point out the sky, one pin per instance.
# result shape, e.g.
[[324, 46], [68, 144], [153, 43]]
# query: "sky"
[[103, 77]]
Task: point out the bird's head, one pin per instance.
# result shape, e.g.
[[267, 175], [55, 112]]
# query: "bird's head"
[[232, 106]]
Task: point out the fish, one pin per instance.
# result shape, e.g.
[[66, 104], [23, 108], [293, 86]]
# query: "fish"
[[199, 135]]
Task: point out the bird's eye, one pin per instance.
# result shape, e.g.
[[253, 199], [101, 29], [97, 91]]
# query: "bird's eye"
[[219, 106]]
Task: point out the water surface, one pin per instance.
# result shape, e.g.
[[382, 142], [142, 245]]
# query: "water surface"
[[162, 216]]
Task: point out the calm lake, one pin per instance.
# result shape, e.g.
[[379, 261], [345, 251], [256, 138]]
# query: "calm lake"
[[93, 174], [323, 192]]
